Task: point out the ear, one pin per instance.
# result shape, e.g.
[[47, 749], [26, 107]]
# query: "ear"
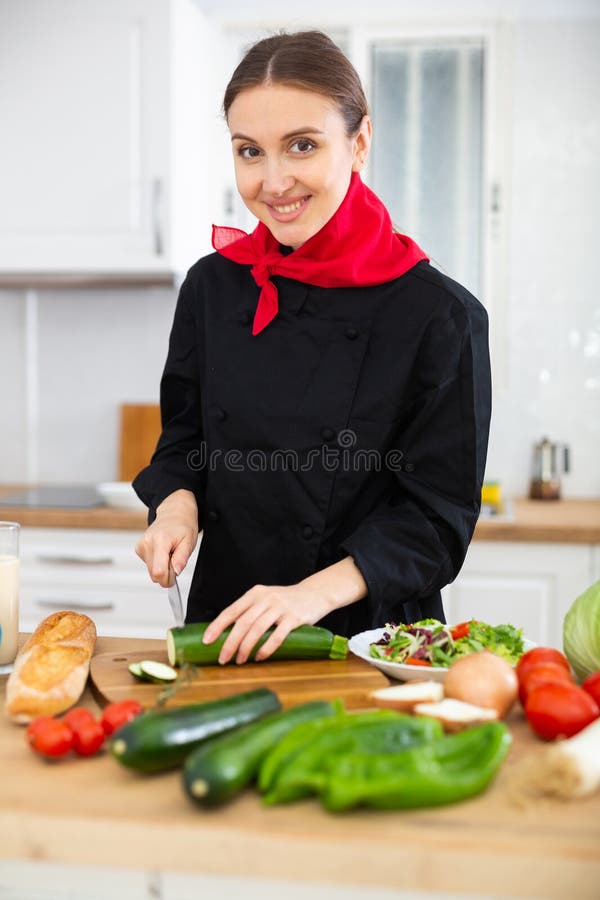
[[362, 144]]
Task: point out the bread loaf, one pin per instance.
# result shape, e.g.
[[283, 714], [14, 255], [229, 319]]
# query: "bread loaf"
[[51, 668]]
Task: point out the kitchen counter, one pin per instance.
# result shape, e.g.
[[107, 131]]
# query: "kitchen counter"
[[94, 812], [568, 521]]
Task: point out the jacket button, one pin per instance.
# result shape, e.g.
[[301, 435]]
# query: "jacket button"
[[307, 532], [409, 467], [327, 434], [351, 333], [213, 515], [245, 318]]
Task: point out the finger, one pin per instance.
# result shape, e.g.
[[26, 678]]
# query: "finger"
[[255, 633], [275, 640], [226, 618], [238, 632], [180, 556]]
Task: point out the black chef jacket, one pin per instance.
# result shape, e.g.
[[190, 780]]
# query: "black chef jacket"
[[356, 423]]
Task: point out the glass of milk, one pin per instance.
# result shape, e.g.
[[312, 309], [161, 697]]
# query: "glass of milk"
[[9, 594]]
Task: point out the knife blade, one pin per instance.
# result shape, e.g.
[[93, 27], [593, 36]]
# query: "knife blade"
[[174, 595]]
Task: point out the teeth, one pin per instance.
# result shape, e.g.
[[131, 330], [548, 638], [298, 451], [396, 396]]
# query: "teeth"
[[289, 208]]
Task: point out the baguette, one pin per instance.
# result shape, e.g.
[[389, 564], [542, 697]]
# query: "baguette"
[[51, 668]]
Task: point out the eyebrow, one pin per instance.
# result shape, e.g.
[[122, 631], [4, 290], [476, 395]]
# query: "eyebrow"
[[295, 133]]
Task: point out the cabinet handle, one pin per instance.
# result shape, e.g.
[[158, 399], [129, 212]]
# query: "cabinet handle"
[[68, 604], [157, 231], [65, 560]]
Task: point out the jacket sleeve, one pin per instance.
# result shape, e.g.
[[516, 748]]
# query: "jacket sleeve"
[[415, 540], [175, 462]]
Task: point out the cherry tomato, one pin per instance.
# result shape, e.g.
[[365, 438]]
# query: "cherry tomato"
[[592, 686], [460, 631], [88, 737], [117, 714], [538, 655], [559, 710], [49, 737], [544, 673], [76, 716]]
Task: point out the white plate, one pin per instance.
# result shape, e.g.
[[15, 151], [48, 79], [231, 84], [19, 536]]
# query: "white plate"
[[359, 645], [119, 494]]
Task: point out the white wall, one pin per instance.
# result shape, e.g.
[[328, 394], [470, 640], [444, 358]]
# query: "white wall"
[[100, 348], [554, 263]]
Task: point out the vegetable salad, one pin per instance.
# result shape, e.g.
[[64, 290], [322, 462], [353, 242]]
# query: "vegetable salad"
[[432, 643]]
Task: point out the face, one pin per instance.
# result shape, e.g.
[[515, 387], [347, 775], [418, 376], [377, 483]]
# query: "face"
[[293, 159]]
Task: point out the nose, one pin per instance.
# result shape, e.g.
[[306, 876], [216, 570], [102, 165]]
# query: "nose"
[[275, 179]]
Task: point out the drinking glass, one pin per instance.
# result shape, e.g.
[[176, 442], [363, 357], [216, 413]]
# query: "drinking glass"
[[9, 594]]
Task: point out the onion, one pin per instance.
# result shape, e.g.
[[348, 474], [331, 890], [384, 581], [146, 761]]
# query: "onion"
[[483, 679]]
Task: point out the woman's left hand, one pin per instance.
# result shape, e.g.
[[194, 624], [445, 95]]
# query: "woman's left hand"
[[258, 609], [285, 608]]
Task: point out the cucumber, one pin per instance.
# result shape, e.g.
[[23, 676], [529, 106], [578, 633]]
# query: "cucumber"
[[184, 645], [150, 670], [136, 670], [222, 767], [157, 672], [158, 740]]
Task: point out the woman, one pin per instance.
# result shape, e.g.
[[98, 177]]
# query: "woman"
[[326, 396]]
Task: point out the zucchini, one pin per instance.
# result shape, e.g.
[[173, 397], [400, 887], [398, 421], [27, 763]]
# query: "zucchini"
[[222, 767], [184, 645], [158, 740], [155, 672]]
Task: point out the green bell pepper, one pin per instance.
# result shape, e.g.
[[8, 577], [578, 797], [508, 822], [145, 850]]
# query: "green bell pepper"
[[382, 731], [447, 770]]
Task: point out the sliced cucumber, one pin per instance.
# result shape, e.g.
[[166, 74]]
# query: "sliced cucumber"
[[155, 672], [136, 671]]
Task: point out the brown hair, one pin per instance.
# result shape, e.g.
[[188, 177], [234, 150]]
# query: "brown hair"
[[309, 60]]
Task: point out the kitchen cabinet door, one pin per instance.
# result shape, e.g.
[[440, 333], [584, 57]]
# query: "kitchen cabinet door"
[[530, 585], [87, 103], [96, 572]]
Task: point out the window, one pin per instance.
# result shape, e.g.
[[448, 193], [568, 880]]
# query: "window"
[[426, 164]]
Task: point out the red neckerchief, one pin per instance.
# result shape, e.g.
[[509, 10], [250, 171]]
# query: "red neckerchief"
[[356, 247]]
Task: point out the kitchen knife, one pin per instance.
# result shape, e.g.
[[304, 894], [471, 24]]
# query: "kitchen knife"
[[175, 601]]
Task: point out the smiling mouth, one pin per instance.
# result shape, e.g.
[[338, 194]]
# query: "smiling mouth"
[[290, 209]]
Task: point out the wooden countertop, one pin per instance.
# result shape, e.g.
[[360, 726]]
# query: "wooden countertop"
[[569, 521], [566, 521], [93, 812]]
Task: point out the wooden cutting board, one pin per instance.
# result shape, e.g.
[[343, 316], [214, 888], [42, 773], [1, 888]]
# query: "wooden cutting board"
[[294, 681]]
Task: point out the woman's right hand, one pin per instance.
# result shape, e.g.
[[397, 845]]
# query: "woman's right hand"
[[168, 543]]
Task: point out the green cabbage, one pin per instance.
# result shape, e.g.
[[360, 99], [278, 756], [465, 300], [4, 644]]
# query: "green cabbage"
[[581, 632]]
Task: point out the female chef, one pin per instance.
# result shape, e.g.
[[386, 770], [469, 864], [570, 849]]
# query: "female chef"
[[326, 396]]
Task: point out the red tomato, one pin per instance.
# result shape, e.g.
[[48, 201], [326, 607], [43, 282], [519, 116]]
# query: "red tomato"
[[539, 655], [88, 737], [76, 716], [49, 737], [411, 661], [543, 673], [117, 714], [559, 710], [592, 686], [460, 631]]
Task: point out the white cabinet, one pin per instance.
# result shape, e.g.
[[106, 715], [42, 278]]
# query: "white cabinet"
[[93, 100], [527, 584], [95, 572]]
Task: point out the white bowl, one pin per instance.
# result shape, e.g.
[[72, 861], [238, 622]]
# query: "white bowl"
[[359, 645], [119, 494]]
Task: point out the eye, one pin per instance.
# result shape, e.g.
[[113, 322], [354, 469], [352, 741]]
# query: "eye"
[[302, 145], [247, 152]]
